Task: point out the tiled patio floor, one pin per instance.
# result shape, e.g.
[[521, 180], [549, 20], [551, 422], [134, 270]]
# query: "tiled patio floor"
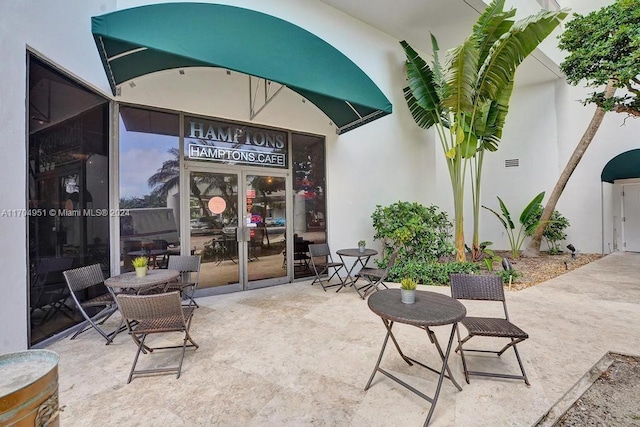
[[294, 355]]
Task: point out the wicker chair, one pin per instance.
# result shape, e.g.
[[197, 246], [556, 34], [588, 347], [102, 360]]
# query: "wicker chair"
[[486, 288], [89, 280], [189, 267], [375, 276], [156, 314], [321, 250]]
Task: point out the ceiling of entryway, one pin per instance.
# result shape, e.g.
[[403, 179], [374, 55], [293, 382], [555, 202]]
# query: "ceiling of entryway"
[[449, 20]]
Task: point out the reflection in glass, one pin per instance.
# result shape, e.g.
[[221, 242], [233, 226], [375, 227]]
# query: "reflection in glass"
[[149, 186], [266, 208], [68, 193], [213, 235], [309, 204]]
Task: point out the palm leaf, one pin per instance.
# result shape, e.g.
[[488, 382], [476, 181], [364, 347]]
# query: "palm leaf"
[[420, 80], [511, 48], [491, 25], [531, 208], [506, 213], [424, 118], [438, 78], [460, 77], [490, 131], [506, 227]]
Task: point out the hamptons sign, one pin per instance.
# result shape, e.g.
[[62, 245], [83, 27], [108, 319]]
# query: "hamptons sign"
[[230, 143]]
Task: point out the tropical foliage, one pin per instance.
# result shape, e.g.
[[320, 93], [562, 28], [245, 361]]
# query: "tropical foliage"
[[467, 99], [527, 223], [422, 236], [416, 231], [604, 50], [554, 231]]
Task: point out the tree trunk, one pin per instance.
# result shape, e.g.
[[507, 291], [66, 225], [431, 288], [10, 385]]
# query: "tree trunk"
[[533, 250]]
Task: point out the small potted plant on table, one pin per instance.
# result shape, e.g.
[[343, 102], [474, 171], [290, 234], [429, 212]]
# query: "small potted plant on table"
[[408, 290], [361, 246], [140, 264]]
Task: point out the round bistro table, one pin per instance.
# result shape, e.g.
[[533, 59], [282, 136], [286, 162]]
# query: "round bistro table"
[[360, 258], [140, 284], [430, 309]]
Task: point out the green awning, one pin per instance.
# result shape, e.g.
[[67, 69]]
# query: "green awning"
[[142, 40], [622, 166]]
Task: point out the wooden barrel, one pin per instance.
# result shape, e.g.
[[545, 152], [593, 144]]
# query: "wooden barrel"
[[29, 388]]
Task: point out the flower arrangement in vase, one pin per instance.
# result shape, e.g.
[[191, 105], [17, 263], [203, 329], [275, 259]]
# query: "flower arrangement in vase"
[[361, 245]]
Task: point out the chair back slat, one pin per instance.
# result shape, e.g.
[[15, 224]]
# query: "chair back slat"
[[392, 260], [82, 278], [145, 307], [319, 249], [477, 287], [184, 263]]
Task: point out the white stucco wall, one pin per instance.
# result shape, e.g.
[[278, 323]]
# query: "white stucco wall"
[[59, 31], [385, 161]]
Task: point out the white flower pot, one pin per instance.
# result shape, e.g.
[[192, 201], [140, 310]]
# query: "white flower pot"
[[408, 297], [361, 249], [141, 271]]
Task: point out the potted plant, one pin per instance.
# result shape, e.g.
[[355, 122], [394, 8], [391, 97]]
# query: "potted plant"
[[408, 290], [140, 264], [361, 245]]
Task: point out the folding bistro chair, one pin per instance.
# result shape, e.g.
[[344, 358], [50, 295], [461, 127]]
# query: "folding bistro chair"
[[486, 288], [189, 267], [375, 276], [89, 280], [321, 250], [155, 314], [48, 291]]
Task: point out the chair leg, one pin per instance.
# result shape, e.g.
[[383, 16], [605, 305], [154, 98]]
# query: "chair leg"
[[140, 343], [464, 362], [526, 380], [84, 326]]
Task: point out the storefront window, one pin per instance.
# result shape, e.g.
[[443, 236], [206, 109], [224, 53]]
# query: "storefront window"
[[149, 186], [309, 203], [68, 171]]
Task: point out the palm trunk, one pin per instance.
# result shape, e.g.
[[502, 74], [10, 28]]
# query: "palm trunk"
[[476, 206], [533, 249]]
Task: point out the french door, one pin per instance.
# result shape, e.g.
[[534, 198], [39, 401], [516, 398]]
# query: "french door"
[[237, 224]]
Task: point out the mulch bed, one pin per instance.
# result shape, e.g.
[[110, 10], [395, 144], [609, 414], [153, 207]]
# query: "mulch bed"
[[536, 270]]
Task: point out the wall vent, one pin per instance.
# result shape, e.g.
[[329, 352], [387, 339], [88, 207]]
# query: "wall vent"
[[512, 163]]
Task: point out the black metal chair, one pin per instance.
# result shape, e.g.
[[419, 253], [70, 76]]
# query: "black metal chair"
[[322, 266], [374, 276], [86, 285], [486, 288], [156, 314], [49, 292], [189, 267]]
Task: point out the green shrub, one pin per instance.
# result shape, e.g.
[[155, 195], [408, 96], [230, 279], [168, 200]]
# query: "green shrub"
[[429, 272], [505, 275], [554, 231], [419, 233]]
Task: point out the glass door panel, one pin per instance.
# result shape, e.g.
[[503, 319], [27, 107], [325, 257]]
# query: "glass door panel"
[[214, 218], [265, 219]]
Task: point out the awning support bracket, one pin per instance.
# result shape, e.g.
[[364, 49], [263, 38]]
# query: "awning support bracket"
[[266, 98]]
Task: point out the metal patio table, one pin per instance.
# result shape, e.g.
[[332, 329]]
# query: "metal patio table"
[[430, 309], [361, 258]]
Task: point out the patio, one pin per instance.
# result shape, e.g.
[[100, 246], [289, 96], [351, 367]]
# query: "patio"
[[294, 355]]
